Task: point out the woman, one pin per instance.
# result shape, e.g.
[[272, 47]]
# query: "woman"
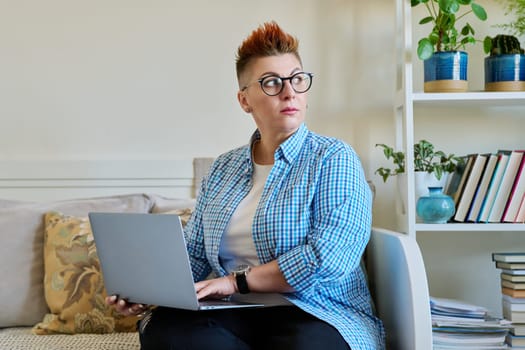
[[289, 213]]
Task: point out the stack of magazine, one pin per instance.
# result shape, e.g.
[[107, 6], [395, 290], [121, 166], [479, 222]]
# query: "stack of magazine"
[[460, 325]]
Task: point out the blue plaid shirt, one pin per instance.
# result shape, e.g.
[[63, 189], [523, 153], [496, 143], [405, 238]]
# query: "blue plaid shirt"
[[314, 217]]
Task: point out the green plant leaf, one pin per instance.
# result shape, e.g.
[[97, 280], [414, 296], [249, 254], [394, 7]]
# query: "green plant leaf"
[[444, 35], [487, 44], [449, 6], [426, 20], [417, 2], [448, 21], [434, 38], [425, 159], [479, 11], [467, 30], [425, 49], [468, 40]]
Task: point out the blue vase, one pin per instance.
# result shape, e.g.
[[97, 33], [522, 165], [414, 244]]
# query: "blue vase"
[[446, 71], [436, 208], [505, 73]]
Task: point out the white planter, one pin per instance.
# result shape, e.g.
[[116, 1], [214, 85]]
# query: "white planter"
[[425, 180]]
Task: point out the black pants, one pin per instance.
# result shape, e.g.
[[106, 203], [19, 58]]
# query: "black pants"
[[274, 328]]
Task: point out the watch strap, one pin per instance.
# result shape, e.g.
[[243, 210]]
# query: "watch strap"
[[242, 284]]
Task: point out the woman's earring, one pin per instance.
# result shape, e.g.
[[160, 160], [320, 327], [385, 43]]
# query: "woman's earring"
[[248, 110]]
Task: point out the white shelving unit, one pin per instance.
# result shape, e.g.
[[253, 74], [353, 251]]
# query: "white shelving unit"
[[407, 103]]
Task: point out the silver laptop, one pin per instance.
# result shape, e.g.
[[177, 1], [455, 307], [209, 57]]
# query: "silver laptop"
[[144, 260]]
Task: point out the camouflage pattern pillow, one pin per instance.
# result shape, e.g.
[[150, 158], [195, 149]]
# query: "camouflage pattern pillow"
[[184, 214], [73, 284]]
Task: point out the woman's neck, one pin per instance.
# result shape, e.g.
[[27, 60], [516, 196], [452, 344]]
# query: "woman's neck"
[[262, 153]]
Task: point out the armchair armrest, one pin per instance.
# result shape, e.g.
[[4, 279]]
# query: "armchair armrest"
[[399, 286]]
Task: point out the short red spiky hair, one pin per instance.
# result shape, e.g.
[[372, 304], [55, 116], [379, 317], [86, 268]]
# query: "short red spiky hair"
[[267, 40]]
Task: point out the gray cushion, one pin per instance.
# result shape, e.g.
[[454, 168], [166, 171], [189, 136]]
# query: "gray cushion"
[[22, 300]]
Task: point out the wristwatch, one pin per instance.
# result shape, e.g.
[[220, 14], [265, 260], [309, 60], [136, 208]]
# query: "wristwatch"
[[240, 277]]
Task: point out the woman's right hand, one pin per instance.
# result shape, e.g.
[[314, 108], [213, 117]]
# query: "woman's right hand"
[[125, 308]]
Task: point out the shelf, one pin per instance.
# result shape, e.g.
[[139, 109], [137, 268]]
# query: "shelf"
[[470, 227], [411, 106], [481, 99]]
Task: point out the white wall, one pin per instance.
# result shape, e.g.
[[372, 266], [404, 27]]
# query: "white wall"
[[141, 79], [137, 79]]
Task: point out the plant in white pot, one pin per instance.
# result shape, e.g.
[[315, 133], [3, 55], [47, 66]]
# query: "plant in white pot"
[[444, 64], [505, 66], [431, 166]]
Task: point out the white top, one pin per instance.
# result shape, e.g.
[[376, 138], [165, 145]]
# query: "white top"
[[237, 247]]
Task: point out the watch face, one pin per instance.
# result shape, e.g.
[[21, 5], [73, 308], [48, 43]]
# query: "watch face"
[[240, 277], [242, 268]]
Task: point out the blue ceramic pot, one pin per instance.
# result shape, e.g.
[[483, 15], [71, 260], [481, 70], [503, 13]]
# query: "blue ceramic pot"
[[436, 208], [505, 68], [446, 67]]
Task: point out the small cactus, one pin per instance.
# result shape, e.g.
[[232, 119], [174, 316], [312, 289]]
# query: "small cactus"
[[502, 45]]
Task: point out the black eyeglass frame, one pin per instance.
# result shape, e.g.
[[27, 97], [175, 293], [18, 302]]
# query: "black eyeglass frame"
[[260, 81]]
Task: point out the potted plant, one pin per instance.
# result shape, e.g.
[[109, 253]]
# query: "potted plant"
[[431, 166], [445, 65], [505, 66], [426, 160]]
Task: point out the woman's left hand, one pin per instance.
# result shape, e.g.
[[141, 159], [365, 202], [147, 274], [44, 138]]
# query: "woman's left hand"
[[217, 288]]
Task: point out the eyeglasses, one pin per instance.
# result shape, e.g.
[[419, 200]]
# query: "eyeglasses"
[[273, 85]]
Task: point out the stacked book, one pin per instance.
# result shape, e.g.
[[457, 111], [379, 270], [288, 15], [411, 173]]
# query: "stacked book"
[[489, 188], [460, 325], [512, 267]]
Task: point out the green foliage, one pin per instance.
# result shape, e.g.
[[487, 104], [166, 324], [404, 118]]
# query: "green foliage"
[[398, 158], [445, 35], [502, 45], [508, 44], [426, 158], [515, 8]]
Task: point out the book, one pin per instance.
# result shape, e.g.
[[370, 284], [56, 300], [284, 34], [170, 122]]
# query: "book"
[[516, 194], [515, 272], [520, 216], [502, 194], [470, 186], [513, 292], [510, 266], [517, 329], [455, 177], [481, 191], [512, 300], [493, 187], [458, 178], [515, 341], [511, 257], [513, 278], [513, 285], [513, 316], [520, 307]]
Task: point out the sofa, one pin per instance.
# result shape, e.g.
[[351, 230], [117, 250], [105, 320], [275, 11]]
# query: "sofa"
[[51, 294]]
